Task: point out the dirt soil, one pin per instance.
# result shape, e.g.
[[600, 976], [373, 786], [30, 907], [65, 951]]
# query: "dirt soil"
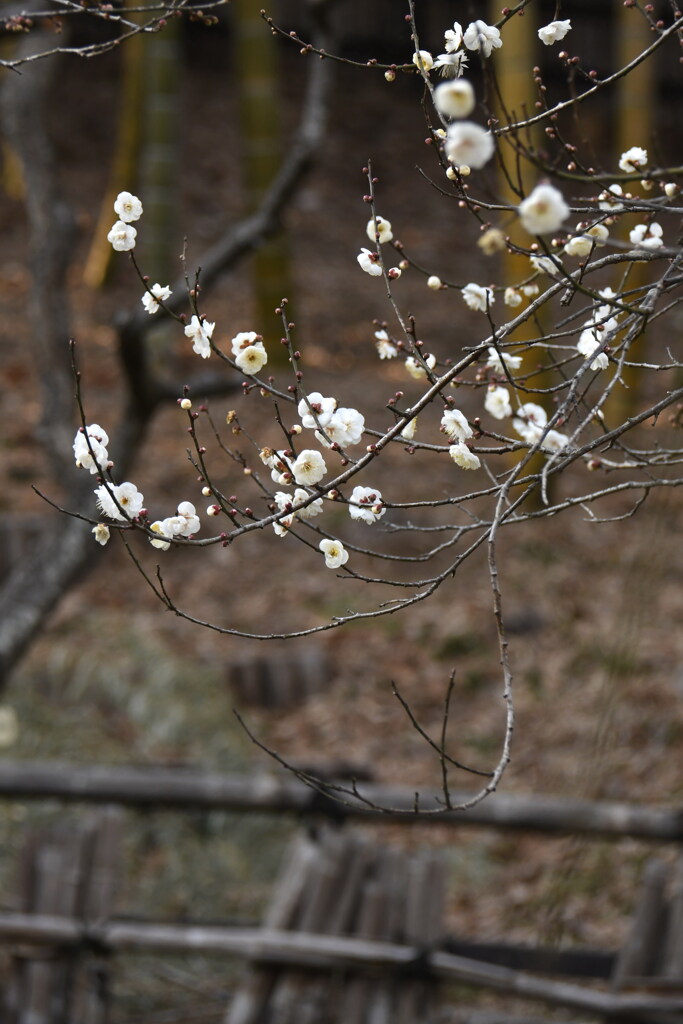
[[594, 611]]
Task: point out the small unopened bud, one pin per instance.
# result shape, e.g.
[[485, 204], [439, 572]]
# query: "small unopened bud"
[[296, 429], [464, 171], [390, 75], [670, 189], [450, 174], [434, 282], [394, 273], [594, 464], [230, 416], [213, 510], [185, 403], [647, 184]]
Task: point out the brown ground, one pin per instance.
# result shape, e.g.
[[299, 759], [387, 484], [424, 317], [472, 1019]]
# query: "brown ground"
[[595, 610]]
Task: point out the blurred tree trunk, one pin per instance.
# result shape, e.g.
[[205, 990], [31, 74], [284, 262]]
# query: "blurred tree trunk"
[[257, 64]]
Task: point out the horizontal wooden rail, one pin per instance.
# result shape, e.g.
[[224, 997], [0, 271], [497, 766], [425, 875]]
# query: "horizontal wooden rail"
[[281, 794], [325, 952]]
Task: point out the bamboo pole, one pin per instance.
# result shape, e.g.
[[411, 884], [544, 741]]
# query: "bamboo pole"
[[325, 952], [284, 794]]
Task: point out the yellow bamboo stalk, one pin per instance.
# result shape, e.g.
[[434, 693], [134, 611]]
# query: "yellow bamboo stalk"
[[256, 60], [124, 169]]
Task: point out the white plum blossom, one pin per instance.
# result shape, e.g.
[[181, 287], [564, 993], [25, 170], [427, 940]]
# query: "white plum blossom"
[[163, 530], [423, 60], [122, 236], [127, 207], [314, 509], [284, 503], [553, 32], [530, 421], [543, 210], [530, 290], [128, 497], [579, 245], [554, 441], [455, 426], [385, 347], [318, 404], [252, 359], [243, 340], [647, 236], [497, 361], [453, 38], [157, 293], [408, 432], [589, 341], [99, 439], [468, 143], [497, 402], [634, 159], [609, 199], [101, 533], [368, 263], [366, 504], [308, 467], [477, 297], [345, 427], [463, 457], [512, 298], [335, 553], [415, 368], [454, 98], [188, 513], [200, 331], [383, 229], [451, 65], [482, 37], [545, 265]]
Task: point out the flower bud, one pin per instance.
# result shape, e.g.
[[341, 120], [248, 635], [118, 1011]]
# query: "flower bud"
[[185, 404], [434, 282]]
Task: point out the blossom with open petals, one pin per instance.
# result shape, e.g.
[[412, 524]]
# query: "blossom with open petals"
[[366, 504], [99, 439], [416, 369], [530, 421], [369, 264], [633, 160], [316, 410], [243, 340], [512, 298], [335, 553], [589, 341], [482, 37], [553, 32], [647, 236], [127, 207], [200, 331], [314, 508], [463, 457], [188, 513], [309, 467], [477, 297], [157, 293], [454, 98], [345, 427], [545, 265], [543, 210], [498, 361], [379, 226], [554, 441], [453, 38], [122, 236], [385, 346], [101, 533], [127, 496], [451, 65], [609, 199], [468, 143], [497, 402], [455, 426], [252, 359]]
